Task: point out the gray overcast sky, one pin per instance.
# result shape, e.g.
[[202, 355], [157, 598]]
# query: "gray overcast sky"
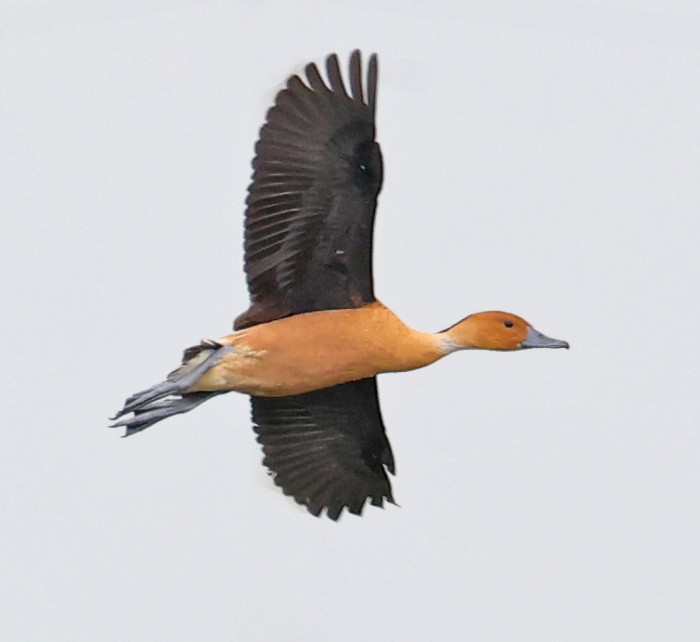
[[541, 157]]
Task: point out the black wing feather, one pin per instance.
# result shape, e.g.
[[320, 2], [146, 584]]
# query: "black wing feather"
[[327, 448], [311, 205]]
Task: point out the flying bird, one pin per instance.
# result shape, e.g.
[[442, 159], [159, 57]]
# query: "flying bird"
[[315, 337]]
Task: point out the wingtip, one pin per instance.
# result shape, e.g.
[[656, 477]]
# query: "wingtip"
[[372, 81], [315, 78], [335, 83], [334, 74]]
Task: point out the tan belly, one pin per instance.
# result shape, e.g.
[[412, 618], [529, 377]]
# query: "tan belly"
[[316, 350], [266, 374]]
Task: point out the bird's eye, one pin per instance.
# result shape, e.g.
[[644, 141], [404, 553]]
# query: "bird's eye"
[[508, 323]]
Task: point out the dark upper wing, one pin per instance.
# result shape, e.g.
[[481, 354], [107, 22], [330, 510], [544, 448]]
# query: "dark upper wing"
[[310, 214], [327, 448]]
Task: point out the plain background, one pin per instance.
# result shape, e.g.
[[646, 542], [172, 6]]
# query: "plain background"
[[541, 157]]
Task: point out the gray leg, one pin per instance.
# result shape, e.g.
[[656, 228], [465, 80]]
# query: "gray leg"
[[169, 397], [153, 412]]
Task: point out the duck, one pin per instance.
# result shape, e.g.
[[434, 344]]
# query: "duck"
[[314, 338]]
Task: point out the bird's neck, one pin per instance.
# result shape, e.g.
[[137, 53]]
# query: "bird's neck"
[[458, 337], [410, 349]]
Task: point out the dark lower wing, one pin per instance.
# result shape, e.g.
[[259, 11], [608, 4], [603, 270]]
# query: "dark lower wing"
[[310, 208], [327, 448]]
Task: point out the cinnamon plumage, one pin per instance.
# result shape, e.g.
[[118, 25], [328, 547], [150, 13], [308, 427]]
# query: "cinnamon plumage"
[[315, 337]]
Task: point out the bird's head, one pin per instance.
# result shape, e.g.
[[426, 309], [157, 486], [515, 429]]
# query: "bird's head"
[[497, 331]]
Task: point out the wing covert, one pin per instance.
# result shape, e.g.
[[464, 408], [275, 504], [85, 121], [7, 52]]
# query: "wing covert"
[[327, 448], [310, 208]]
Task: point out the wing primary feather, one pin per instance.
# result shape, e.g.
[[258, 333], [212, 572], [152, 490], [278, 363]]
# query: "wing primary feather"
[[334, 75], [315, 79], [372, 79], [316, 177], [295, 106], [356, 76], [334, 509], [303, 459], [263, 216], [326, 448]]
